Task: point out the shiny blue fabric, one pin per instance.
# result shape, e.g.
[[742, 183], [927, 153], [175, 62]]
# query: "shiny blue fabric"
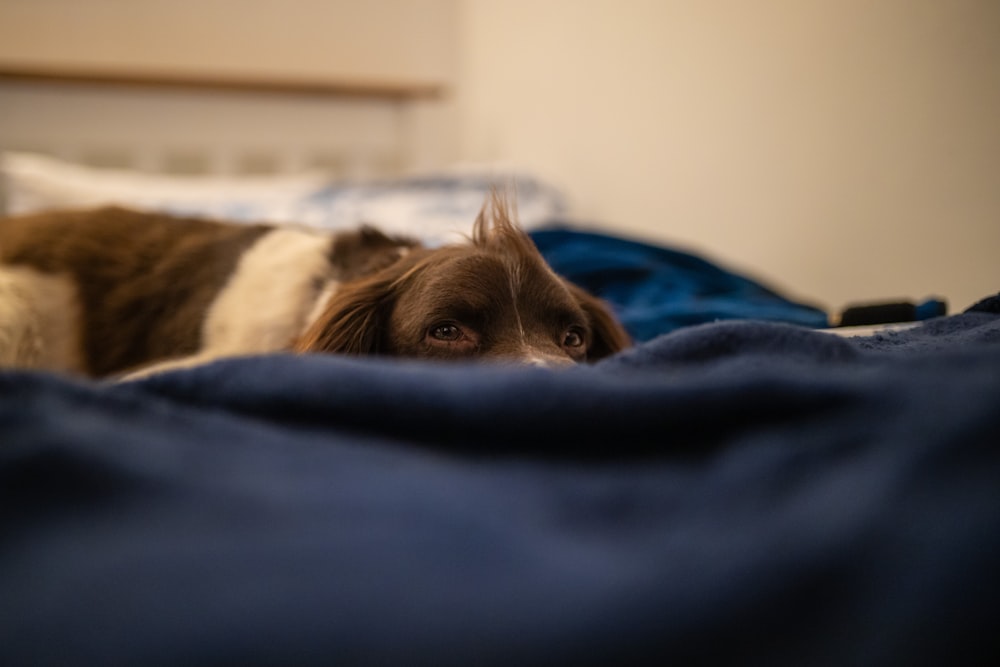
[[655, 290]]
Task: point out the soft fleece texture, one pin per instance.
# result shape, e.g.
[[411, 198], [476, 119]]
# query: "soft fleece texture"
[[657, 289], [739, 492]]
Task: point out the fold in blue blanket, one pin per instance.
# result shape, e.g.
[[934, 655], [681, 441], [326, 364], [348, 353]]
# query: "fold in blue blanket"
[[738, 492], [656, 289]]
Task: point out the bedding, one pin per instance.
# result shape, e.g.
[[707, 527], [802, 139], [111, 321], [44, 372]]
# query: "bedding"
[[733, 492], [437, 207], [653, 289], [656, 289]]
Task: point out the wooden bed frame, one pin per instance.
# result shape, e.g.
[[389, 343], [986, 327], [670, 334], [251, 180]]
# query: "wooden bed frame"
[[201, 123]]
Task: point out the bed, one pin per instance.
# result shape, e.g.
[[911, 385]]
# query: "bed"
[[739, 487]]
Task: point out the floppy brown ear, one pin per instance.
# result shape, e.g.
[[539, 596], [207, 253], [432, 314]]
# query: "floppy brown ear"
[[351, 320], [608, 335]]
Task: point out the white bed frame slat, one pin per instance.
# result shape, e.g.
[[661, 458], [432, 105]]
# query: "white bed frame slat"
[[196, 131]]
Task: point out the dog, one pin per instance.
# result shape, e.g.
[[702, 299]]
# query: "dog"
[[114, 292]]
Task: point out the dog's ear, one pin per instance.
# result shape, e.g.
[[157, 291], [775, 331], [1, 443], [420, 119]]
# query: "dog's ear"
[[608, 335], [352, 320]]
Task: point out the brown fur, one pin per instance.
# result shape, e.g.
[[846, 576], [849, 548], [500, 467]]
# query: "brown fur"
[[390, 311], [365, 251], [118, 258], [147, 283]]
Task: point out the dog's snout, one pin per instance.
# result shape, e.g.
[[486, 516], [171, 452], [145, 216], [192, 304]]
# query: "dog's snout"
[[553, 361]]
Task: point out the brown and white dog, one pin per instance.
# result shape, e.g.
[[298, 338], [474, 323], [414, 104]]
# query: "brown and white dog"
[[111, 291]]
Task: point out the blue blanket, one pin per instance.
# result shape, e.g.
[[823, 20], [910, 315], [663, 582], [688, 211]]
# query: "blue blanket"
[[656, 289], [737, 492]]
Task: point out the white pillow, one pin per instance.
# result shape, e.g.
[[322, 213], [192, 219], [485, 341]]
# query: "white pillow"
[[435, 207], [37, 182]]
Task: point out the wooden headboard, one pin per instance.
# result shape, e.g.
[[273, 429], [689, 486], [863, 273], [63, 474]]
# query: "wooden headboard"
[[183, 123]]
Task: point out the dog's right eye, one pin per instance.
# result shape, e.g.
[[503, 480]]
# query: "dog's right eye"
[[446, 332], [573, 338]]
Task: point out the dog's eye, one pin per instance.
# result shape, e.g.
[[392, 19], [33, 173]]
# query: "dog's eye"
[[573, 338], [446, 332]]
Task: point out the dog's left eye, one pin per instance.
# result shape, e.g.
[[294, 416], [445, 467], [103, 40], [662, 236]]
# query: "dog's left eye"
[[573, 338], [446, 332]]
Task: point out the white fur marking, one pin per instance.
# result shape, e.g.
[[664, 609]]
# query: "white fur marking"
[[514, 280], [543, 360], [271, 295], [325, 294], [39, 321]]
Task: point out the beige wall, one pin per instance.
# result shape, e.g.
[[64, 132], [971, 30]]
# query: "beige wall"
[[359, 39], [839, 149]]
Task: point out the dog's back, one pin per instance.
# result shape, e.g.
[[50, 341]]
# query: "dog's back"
[[103, 291], [91, 275], [112, 290]]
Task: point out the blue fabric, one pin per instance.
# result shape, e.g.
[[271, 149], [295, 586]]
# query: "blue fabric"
[[737, 492], [655, 289]]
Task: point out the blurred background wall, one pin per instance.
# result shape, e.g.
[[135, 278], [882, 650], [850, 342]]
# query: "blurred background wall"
[[840, 150], [392, 40], [846, 149]]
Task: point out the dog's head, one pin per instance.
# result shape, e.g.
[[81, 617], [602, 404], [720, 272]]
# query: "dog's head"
[[493, 298]]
